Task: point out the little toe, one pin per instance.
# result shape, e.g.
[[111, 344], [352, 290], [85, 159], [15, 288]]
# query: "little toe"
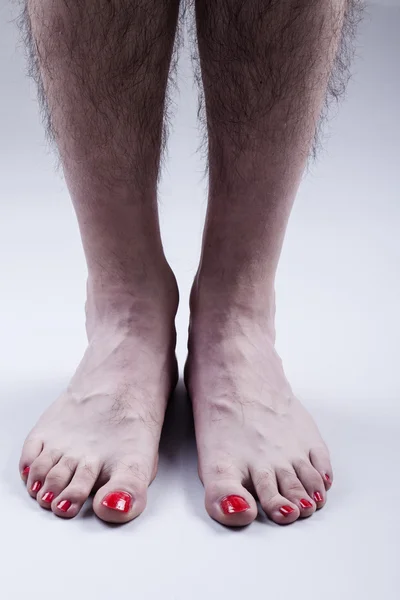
[[312, 482], [31, 450], [39, 470], [320, 460], [58, 478], [291, 488], [229, 503], [277, 507], [70, 501]]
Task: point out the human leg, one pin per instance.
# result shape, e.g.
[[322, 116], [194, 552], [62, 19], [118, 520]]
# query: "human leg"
[[266, 68], [102, 70]]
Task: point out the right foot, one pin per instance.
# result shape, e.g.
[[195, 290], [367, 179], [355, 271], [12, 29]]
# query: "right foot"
[[103, 432]]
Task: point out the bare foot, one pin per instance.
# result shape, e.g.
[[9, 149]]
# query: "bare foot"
[[252, 434], [103, 432]]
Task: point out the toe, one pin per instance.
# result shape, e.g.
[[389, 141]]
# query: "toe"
[[120, 501], [291, 488], [321, 461], [312, 481], [70, 501], [56, 481], [228, 502], [31, 450], [124, 496], [39, 470], [277, 507]]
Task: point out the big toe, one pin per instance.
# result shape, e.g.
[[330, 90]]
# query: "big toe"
[[228, 502], [121, 499]]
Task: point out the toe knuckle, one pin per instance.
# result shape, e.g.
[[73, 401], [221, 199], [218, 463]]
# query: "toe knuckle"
[[32, 440], [294, 488], [89, 470], [69, 463], [302, 463], [55, 479], [55, 455], [286, 473], [320, 451], [221, 469], [39, 468], [315, 478], [264, 478], [272, 502], [136, 471]]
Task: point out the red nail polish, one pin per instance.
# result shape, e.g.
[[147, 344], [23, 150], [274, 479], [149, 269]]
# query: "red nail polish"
[[305, 503], [286, 510], [318, 497], [64, 505], [25, 472], [118, 501], [48, 497], [234, 504], [36, 486], [328, 479]]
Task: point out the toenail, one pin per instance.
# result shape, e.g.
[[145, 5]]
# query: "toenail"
[[234, 504], [327, 477], [26, 471], [64, 505], [118, 501], [48, 497], [305, 503], [318, 497], [36, 486], [286, 510]]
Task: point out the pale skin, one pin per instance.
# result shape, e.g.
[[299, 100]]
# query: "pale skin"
[[104, 76]]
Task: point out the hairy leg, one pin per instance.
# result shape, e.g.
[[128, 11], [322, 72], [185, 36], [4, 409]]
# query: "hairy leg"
[[266, 67], [102, 70]]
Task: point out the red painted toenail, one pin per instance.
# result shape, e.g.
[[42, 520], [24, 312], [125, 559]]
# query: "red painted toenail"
[[36, 486], [327, 477], [234, 504], [48, 497], [305, 503], [286, 510], [26, 471], [64, 505], [118, 501], [318, 497]]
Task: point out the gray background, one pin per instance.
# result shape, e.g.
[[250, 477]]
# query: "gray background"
[[338, 332]]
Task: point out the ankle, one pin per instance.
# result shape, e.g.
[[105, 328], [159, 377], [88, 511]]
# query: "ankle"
[[237, 298], [146, 302], [221, 313]]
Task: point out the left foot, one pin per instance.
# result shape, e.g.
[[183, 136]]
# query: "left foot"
[[252, 433]]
